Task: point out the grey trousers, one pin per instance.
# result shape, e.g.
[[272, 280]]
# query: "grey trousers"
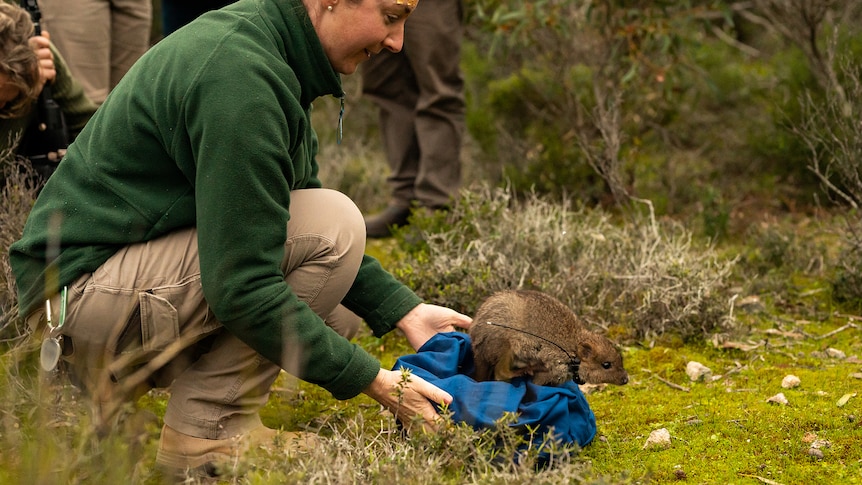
[[140, 321], [420, 93], [99, 39]]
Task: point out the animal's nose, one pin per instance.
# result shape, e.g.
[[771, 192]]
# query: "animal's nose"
[[624, 380]]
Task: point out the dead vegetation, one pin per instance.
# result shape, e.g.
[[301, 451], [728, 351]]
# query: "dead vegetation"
[[641, 278]]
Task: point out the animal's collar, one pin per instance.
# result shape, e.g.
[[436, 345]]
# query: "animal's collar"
[[574, 361]]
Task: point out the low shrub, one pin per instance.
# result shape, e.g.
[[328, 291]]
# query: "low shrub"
[[647, 276]]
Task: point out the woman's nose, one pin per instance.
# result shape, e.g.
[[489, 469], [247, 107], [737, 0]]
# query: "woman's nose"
[[395, 41]]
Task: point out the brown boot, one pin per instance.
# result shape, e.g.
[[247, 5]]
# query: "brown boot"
[[381, 225], [181, 455]]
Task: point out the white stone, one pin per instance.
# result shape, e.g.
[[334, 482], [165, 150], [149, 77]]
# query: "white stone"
[[790, 381], [659, 438], [778, 399], [835, 353], [697, 371]]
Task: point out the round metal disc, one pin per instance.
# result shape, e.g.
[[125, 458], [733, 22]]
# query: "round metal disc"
[[50, 354]]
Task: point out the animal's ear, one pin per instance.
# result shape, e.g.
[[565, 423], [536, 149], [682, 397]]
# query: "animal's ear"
[[584, 350]]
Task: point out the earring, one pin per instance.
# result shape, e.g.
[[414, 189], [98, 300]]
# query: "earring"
[[329, 8]]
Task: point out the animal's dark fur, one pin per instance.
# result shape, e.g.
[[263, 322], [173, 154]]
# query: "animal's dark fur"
[[521, 332]]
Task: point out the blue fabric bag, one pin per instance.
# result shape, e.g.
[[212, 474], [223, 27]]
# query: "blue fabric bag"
[[446, 361]]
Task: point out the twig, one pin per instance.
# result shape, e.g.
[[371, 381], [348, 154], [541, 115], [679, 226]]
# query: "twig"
[[736, 422], [837, 330], [762, 479], [735, 370], [788, 355], [669, 383], [747, 49]]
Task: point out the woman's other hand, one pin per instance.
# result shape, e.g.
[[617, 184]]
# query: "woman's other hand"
[[425, 321], [409, 398]]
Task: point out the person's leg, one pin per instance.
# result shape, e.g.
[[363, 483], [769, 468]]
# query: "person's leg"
[[420, 95], [131, 22], [388, 81], [141, 321], [138, 311], [433, 46], [81, 30], [219, 395]]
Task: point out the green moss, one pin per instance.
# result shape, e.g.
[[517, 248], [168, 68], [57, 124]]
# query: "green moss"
[[724, 430]]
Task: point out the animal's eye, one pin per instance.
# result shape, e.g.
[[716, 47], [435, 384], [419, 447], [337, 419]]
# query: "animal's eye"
[[606, 365]]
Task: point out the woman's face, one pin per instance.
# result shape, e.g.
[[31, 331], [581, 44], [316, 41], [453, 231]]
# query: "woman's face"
[[353, 32]]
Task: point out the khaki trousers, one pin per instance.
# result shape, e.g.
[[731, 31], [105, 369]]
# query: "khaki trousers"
[[99, 39], [420, 93], [140, 321]]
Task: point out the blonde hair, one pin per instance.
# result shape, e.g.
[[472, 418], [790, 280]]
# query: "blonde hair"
[[17, 59]]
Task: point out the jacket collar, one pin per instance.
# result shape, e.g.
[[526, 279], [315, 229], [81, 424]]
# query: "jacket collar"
[[301, 48]]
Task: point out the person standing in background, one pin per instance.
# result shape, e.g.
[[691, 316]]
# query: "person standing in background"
[[100, 39], [27, 63], [176, 13], [420, 94]]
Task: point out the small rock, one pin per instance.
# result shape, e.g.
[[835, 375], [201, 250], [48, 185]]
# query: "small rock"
[[679, 474], [815, 453], [778, 399], [835, 353], [790, 381], [591, 388], [856, 375], [697, 371], [603, 439], [659, 438], [820, 444]]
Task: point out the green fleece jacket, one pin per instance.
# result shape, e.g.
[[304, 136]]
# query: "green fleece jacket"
[[211, 128]]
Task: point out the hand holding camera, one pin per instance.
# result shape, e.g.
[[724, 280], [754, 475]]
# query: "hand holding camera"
[[45, 142], [42, 47]]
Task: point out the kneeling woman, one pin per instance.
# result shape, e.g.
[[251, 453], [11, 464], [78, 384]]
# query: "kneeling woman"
[[197, 245]]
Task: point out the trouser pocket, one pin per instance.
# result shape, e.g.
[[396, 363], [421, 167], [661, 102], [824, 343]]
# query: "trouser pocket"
[[162, 314], [161, 318], [159, 322]]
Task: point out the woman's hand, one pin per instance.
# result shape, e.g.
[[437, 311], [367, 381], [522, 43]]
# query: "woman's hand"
[[424, 321], [41, 46], [408, 397]]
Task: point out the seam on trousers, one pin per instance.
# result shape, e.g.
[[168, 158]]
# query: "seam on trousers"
[[230, 396]]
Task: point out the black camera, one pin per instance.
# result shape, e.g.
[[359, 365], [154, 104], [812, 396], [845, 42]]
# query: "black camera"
[[46, 138]]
